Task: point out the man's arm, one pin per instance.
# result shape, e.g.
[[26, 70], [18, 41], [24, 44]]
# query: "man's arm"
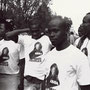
[[83, 72], [16, 32], [85, 87]]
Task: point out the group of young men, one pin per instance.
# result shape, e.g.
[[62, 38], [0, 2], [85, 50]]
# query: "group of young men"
[[51, 62]]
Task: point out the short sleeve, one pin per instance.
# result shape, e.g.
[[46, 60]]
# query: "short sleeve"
[[83, 72], [18, 47], [21, 39], [21, 45]]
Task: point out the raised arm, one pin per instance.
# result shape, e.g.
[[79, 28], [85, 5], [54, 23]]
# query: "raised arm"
[[16, 32]]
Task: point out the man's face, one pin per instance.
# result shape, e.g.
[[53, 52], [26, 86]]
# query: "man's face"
[[56, 32], [81, 30], [2, 29], [35, 31]]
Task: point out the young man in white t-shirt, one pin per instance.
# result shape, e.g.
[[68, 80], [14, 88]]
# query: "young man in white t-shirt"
[[68, 67], [83, 43], [9, 60], [35, 46]]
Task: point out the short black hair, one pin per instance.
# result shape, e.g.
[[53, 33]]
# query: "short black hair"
[[88, 13], [66, 22], [85, 18]]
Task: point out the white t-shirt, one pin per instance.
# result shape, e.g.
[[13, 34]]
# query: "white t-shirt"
[[86, 44], [34, 53], [72, 67], [9, 51], [21, 42], [72, 39]]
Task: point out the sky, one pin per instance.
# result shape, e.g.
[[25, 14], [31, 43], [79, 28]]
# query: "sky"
[[74, 9]]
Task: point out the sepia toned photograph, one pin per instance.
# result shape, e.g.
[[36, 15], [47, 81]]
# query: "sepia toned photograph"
[[44, 44]]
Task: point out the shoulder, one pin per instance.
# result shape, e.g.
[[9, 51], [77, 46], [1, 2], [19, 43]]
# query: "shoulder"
[[78, 56], [10, 42], [24, 36], [50, 54], [75, 50], [13, 44], [45, 37]]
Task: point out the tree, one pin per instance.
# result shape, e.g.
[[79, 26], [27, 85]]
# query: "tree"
[[21, 10], [44, 15]]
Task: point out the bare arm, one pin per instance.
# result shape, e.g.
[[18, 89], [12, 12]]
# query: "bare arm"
[[16, 32]]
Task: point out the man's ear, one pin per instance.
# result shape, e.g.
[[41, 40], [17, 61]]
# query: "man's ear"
[[68, 35]]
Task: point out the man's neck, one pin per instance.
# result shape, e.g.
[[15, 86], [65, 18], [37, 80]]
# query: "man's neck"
[[89, 37], [63, 46], [37, 37]]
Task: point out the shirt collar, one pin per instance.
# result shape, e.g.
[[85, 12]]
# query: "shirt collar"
[[1, 41]]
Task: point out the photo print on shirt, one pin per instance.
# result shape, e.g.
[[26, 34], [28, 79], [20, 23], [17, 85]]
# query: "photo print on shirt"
[[4, 56], [37, 51], [52, 79]]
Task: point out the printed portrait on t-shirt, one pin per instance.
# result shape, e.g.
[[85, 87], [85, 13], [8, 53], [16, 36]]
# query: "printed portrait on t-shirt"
[[37, 51], [5, 54], [85, 51], [52, 79]]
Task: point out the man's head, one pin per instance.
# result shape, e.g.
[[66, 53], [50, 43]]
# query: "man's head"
[[58, 30], [35, 28], [2, 28], [81, 30], [86, 18], [84, 30]]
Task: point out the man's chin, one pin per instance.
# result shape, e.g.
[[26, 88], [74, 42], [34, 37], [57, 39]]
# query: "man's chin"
[[53, 43]]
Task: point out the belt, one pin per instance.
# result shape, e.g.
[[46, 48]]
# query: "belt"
[[33, 79]]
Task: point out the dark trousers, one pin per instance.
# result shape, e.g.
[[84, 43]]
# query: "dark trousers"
[[32, 83], [22, 66]]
